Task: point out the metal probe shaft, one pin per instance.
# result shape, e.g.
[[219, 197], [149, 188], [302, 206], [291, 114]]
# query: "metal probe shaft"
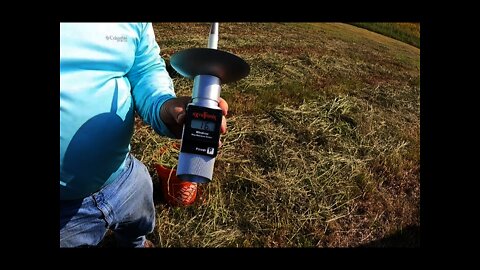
[[213, 37]]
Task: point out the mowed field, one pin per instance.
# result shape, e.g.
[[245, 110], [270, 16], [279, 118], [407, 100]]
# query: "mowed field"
[[323, 141]]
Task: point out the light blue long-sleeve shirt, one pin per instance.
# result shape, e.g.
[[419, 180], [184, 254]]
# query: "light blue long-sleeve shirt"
[[107, 72]]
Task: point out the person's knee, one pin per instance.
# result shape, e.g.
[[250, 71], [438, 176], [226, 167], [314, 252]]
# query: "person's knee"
[[143, 178], [138, 210]]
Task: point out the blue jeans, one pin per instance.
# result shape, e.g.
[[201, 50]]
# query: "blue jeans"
[[125, 206]]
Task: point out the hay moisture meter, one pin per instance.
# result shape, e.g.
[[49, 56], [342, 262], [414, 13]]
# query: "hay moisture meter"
[[208, 67]]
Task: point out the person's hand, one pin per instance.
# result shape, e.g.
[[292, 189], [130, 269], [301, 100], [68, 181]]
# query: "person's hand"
[[173, 114]]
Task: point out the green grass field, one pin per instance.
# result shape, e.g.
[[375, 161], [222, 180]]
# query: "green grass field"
[[323, 142], [406, 32]]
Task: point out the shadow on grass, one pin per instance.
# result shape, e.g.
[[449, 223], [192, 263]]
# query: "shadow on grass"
[[407, 237]]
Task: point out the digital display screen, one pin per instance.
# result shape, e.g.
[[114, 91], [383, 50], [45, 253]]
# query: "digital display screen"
[[203, 125]]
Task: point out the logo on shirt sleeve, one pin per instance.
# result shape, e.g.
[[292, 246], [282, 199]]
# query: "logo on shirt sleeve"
[[122, 38]]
